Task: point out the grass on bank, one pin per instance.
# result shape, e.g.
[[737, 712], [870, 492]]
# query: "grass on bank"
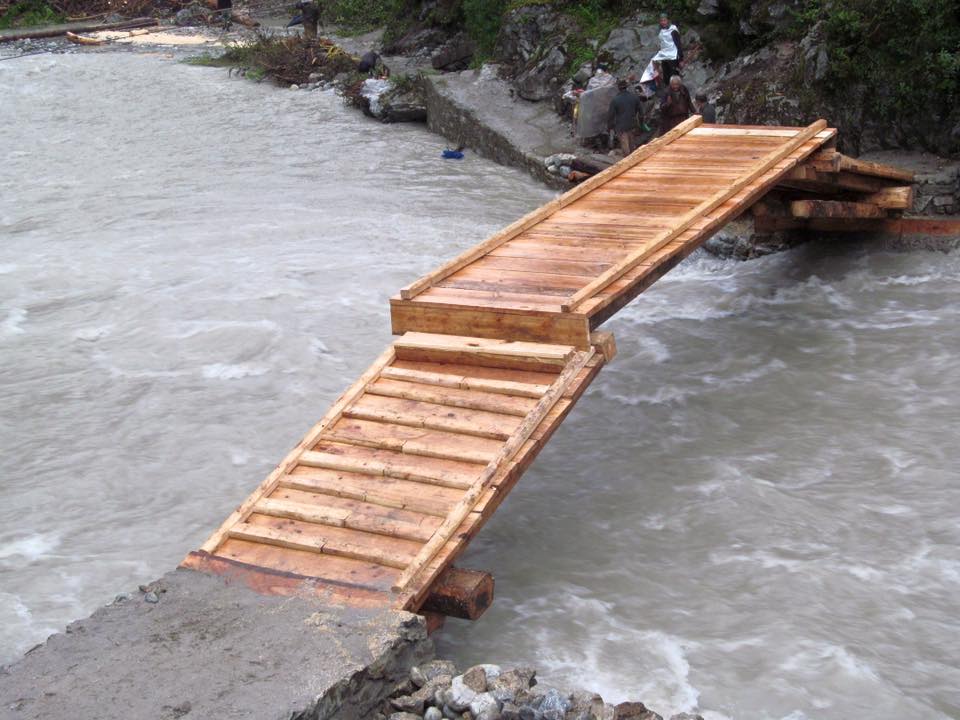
[[29, 13]]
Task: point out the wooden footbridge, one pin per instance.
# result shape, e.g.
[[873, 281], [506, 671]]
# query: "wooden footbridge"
[[382, 495]]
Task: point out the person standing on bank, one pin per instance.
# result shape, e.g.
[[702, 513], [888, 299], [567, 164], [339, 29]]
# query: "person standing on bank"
[[670, 54], [707, 109], [676, 105], [625, 110]]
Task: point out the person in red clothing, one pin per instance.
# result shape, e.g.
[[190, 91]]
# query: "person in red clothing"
[[676, 105]]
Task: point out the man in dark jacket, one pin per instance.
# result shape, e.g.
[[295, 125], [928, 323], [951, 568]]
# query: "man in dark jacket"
[[676, 105], [705, 108], [625, 109]]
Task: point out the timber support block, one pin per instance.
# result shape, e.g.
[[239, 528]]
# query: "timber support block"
[[460, 593]]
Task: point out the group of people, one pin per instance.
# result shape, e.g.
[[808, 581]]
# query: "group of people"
[[661, 79]]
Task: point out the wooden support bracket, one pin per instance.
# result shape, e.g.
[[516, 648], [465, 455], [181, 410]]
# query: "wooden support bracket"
[[460, 593]]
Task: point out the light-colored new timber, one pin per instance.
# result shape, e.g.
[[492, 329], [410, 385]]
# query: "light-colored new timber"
[[385, 492]]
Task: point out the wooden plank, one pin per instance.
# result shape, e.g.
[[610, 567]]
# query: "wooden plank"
[[510, 448], [371, 461], [409, 389], [452, 380], [835, 162], [433, 417], [383, 491], [425, 314], [269, 570], [834, 209], [486, 348], [359, 507], [471, 372], [338, 517], [605, 344], [292, 458], [754, 131], [413, 441], [335, 517], [694, 215], [893, 198], [317, 543], [546, 210], [585, 267], [805, 177]]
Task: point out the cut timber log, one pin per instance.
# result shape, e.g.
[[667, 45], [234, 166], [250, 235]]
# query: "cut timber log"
[[834, 209], [460, 593], [808, 178], [76, 28], [895, 198], [83, 39], [831, 161]]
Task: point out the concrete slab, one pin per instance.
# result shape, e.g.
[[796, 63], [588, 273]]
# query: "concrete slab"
[[214, 649], [477, 108]]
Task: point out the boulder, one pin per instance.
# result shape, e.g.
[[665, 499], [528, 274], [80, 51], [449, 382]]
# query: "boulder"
[[634, 711], [554, 705], [485, 707], [585, 706], [454, 54], [508, 685], [542, 78], [630, 46], [190, 15], [686, 716], [592, 117], [459, 696], [422, 674], [528, 30], [475, 679]]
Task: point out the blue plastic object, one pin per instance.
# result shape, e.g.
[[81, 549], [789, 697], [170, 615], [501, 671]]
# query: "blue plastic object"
[[453, 155]]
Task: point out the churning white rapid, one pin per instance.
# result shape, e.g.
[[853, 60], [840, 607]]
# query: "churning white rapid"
[[753, 511]]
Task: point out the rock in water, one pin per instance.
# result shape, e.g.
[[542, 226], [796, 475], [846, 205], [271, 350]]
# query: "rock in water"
[[634, 711], [686, 716], [459, 695], [585, 706], [554, 705], [432, 713], [151, 597]]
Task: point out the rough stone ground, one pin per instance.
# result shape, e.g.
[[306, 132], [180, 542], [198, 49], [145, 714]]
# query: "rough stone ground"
[[209, 649]]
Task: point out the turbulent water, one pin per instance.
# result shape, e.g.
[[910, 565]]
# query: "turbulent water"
[[753, 511]]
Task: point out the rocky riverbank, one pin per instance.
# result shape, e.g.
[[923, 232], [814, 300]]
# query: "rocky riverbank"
[[436, 690]]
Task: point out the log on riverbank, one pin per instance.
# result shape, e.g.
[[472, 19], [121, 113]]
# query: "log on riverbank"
[[57, 30]]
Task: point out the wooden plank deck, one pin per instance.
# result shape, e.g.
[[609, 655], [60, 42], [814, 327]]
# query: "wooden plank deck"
[[563, 270], [381, 496], [386, 490]]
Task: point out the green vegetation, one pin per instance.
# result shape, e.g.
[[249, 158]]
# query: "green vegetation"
[[288, 60], [905, 54], [359, 16], [29, 13]]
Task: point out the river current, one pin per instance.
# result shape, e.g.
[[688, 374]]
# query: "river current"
[[753, 511]]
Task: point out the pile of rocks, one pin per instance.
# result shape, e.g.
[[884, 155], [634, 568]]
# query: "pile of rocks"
[[435, 690]]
